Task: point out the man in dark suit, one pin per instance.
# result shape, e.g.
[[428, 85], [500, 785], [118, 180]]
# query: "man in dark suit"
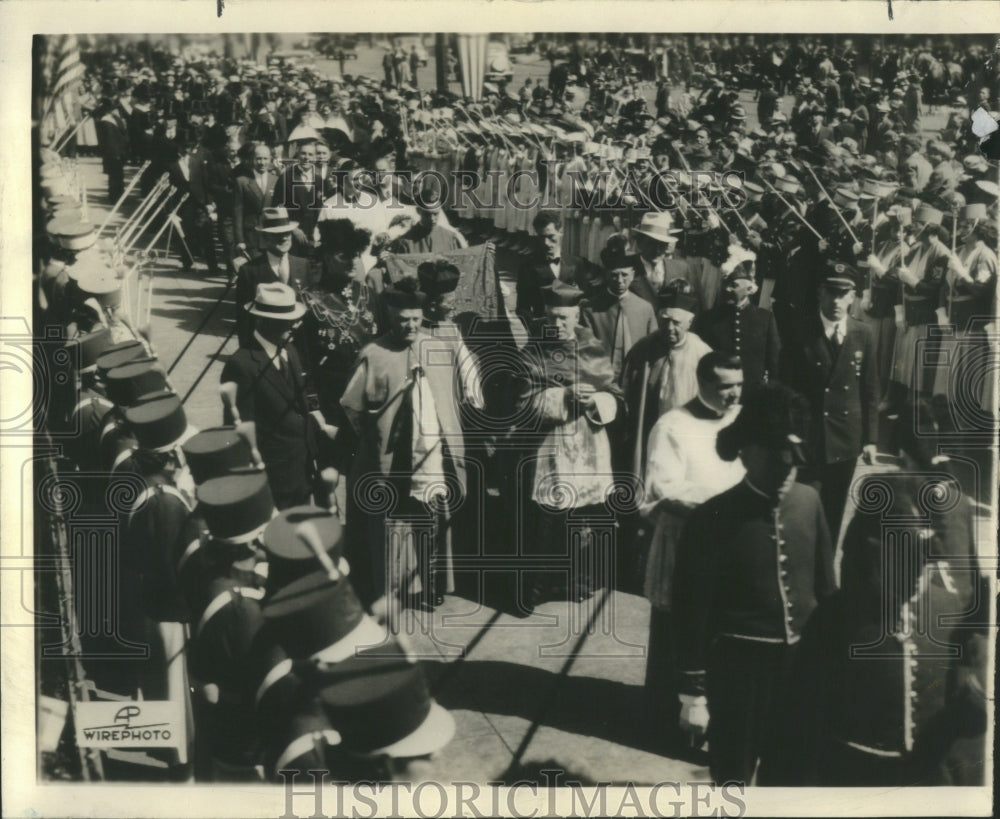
[[544, 266], [254, 192], [272, 402], [738, 327], [190, 174], [274, 264], [299, 190], [832, 362], [112, 135]]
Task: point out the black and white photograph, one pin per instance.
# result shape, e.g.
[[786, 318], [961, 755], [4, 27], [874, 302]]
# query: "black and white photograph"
[[609, 414]]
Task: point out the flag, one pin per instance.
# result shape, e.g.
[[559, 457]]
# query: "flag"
[[472, 59], [477, 291], [62, 72]]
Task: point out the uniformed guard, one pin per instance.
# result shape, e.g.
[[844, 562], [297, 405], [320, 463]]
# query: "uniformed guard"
[[738, 327], [736, 637], [831, 360], [224, 596], [127, 386], [881, 657]]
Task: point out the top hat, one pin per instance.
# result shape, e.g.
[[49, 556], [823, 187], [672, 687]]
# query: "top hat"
[[275, 220], [276, 301], [127, 383], [290, 557], [215, 452], [658, 226], [379, 703], [236, 507], [159, 424], [118, 354], [438, 277]]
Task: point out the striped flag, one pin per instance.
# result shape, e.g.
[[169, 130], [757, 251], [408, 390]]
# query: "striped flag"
[[472, 58], [62, 72]]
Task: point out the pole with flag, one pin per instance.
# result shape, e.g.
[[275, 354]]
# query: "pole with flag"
[[61, 75], [472, 58]]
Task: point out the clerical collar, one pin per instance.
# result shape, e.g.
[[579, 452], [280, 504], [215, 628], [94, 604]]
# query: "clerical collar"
[[708, 411]]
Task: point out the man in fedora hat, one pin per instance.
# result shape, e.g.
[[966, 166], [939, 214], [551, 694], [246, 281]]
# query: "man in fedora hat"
[[617, 316], [300, 191], [274, 397], [832, 361], [737, 637], [653, 239], [275, 264]]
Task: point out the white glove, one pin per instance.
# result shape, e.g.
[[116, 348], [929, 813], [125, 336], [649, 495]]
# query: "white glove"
[[876, 266], [694, 715]]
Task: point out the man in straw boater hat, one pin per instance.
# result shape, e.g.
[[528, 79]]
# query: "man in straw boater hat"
[[737, 326], [832, 360], [269, 396], [736, 638], [403, 407], [566, 394], [274, 264]]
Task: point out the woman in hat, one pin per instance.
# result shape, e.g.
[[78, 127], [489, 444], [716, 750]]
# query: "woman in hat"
[[736, 638], [339, 319], [921, 274]]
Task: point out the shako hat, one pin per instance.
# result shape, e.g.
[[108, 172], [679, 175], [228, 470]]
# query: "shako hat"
[[216, 452], [236, 507], [159, 424]]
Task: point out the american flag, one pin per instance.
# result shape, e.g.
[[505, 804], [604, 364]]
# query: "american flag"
[[61, 74]]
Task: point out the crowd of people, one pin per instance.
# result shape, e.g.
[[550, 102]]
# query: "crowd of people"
[[693, 333]]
